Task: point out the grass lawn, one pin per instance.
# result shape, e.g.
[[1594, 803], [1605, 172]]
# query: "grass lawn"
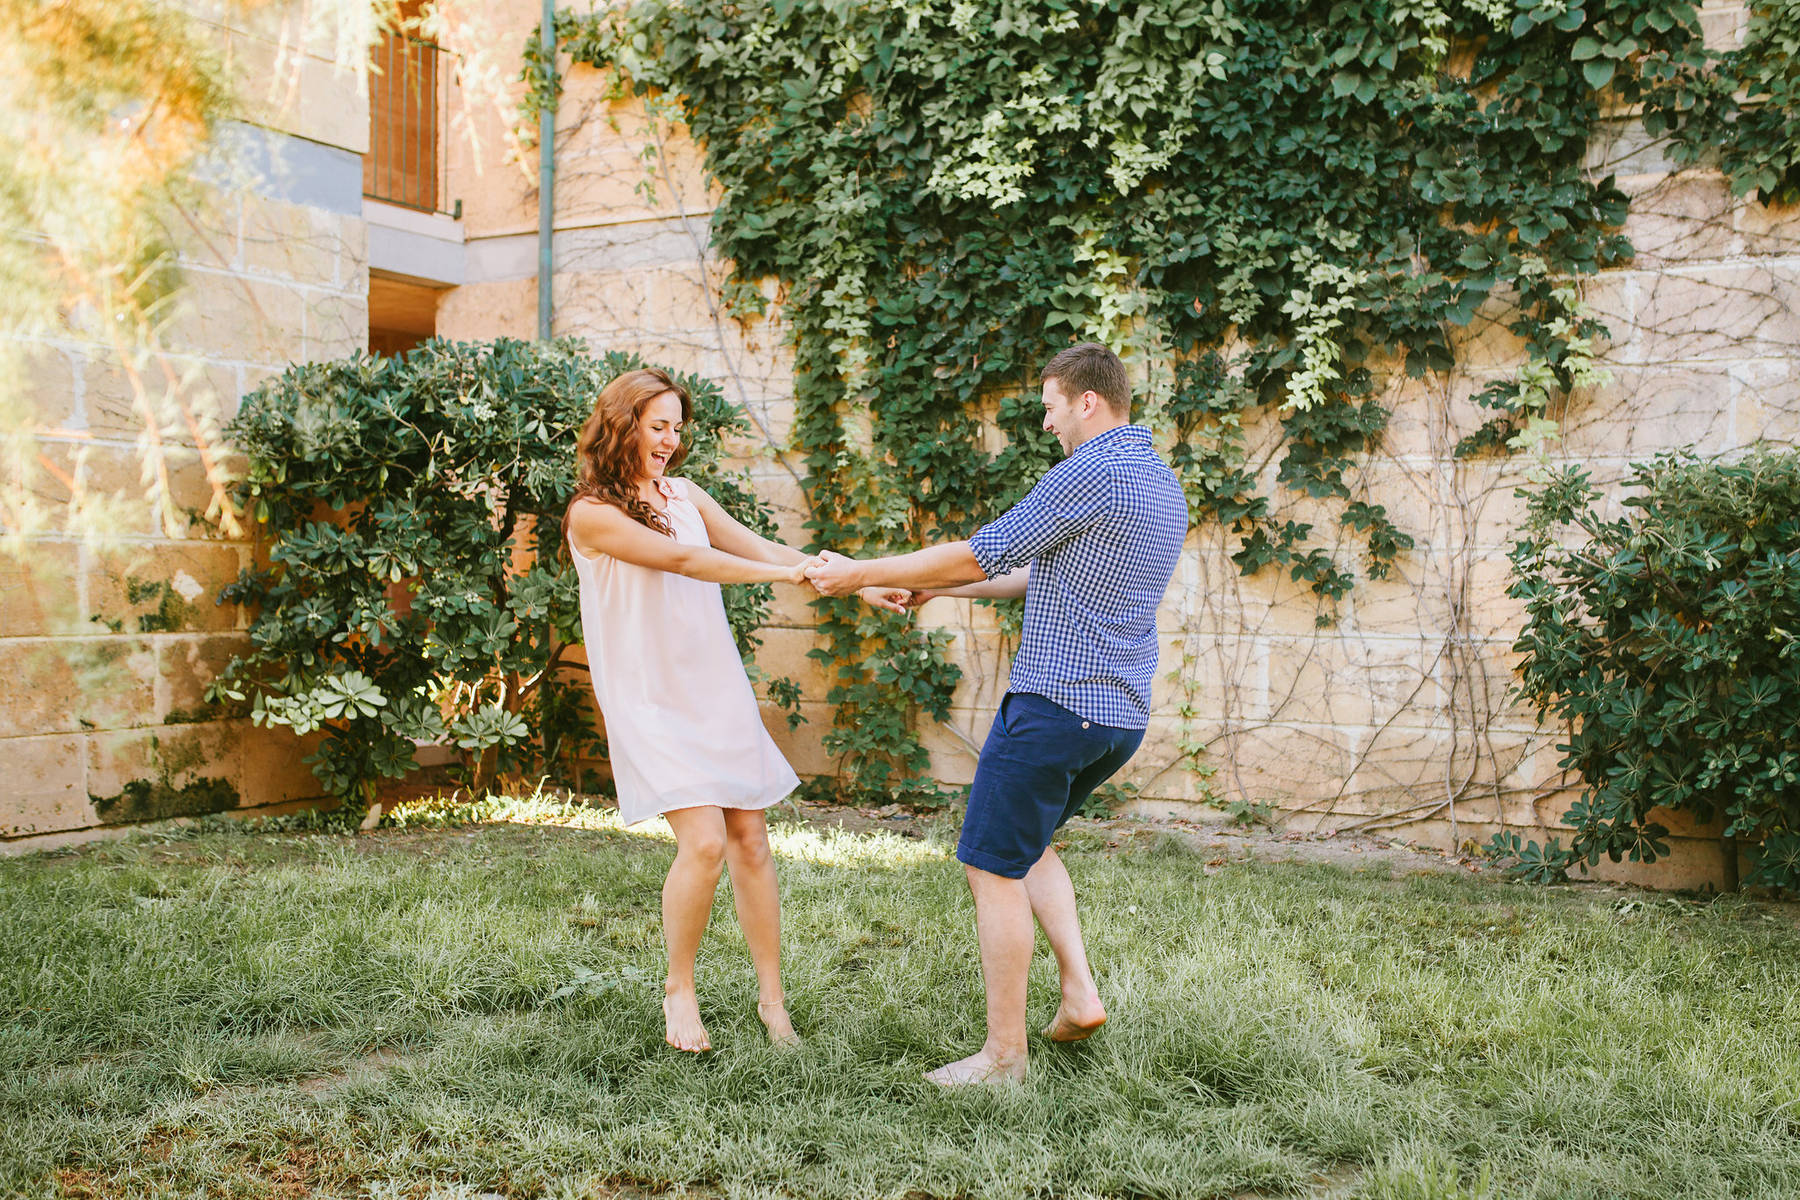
[[450, 1012]]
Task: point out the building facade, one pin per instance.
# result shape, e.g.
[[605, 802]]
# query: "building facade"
[[1395, 719], [110, 642]]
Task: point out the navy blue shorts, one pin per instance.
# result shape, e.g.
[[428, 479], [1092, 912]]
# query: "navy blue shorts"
[[1040, 762]]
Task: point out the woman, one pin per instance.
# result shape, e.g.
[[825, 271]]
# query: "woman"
[[682, 726]]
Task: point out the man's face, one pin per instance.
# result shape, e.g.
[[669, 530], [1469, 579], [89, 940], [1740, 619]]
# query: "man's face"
[[1062, 416]]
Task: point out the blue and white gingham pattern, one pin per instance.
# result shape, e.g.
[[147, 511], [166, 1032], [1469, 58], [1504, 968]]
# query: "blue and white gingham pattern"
[[1102, 532]]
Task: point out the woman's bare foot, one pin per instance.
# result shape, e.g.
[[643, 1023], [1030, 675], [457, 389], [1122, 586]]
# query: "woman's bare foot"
[[980, 1067], [774, 1016], [681, 1018], [1076, 1020]]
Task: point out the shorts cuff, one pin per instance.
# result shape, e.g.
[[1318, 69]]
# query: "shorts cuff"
[[981, 860]]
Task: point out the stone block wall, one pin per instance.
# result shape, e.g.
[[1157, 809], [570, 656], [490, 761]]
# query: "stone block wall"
[[1396, 716], [109, 641]]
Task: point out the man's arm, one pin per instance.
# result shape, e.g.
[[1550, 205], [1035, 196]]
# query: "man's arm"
[[934, 568], [1010, 586], [1064, 502]]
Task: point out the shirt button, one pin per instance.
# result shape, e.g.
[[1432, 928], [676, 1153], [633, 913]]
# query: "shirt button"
[[1084, 724]]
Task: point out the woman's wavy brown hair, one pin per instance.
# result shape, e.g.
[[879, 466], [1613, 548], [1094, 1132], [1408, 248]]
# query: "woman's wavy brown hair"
[[610, 455]]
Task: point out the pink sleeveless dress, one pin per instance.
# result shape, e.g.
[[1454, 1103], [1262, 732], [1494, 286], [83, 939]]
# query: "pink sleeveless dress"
[[682, 724]]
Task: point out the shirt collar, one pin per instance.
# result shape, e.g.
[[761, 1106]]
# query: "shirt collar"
[[1118, 433]]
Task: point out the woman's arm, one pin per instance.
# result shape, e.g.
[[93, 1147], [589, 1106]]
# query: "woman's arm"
[[729, 534], [598, 528]]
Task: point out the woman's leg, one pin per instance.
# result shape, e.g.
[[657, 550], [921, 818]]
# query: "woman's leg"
[[687, 901], [758, 902]]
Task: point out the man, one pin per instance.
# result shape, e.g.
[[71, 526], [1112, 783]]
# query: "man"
[[1091, 548]]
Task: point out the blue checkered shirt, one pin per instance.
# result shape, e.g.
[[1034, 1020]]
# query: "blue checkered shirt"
[[1102, 531]]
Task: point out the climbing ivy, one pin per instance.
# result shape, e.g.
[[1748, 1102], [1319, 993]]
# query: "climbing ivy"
[[1744, 115], [1268, 207]]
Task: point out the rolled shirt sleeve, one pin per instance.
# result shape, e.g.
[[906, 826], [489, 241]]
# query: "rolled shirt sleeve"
[[1069, 500]]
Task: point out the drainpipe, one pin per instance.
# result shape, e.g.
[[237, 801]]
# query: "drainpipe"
[[546, 172]]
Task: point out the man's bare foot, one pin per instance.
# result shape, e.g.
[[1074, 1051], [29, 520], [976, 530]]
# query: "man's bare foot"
[[681, 1018], [1075, 1021], [774, 1016], [980, 1067]]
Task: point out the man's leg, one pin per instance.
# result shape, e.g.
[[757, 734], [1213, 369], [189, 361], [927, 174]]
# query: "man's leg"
[[1053, 896], [1053, 904], [1003, 927], [1040, 760]]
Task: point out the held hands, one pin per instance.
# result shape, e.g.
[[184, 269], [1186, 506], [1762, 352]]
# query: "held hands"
[[833, 574]]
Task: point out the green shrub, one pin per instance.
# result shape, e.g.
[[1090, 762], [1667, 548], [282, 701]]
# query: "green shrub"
[[1666, 639], [438, 480]]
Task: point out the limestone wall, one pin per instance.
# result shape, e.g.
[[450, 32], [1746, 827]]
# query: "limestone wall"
[[108, 643], [1395, 717]]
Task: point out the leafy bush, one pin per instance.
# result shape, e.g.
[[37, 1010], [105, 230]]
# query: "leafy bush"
[[1667, 640], [417, 591]]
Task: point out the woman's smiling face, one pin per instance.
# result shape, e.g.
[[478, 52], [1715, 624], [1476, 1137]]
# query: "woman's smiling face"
[[659, 433]]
